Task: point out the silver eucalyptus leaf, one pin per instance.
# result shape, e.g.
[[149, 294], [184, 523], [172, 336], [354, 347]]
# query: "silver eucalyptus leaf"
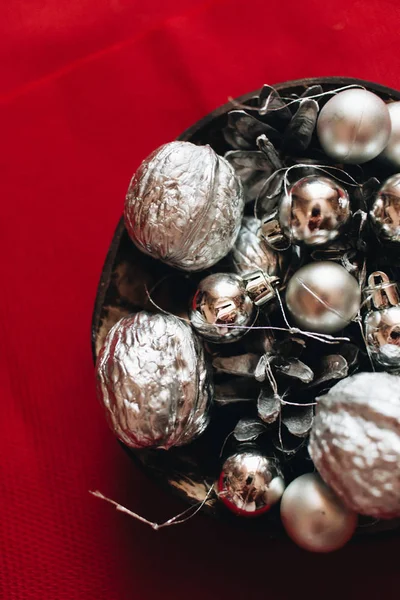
[[253, 168], [248, 429], [268, 406], [242, 130], [298, 419]]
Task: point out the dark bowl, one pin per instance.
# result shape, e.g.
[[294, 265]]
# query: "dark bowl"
[[190, 471]]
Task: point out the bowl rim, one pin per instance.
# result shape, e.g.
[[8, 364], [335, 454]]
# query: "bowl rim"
[[187, 135]]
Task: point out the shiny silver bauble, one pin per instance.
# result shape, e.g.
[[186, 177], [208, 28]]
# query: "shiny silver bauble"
[[354, 126], [314, 517], [392, 151], [153, 381], [250, 483], [382, 332], [314, 210], [385, 211], [382, 322], [323, 297], [184, 206], [221, 310], [355, 442]]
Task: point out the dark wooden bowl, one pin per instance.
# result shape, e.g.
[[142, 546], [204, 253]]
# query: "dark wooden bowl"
[[191, 470]]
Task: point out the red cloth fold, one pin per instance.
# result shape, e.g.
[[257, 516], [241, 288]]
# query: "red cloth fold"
[[87, 90]]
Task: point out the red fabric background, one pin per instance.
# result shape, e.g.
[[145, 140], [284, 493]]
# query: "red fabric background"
[[87, 89]]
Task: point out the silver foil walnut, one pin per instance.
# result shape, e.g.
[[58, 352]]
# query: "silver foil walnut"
[[355, 443], [184, 206], [153, 381]]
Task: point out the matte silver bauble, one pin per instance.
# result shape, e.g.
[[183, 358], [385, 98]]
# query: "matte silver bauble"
[[314, 210], [354, 126], [392, 151], [221, 310], [382, 322], [250, 483], [314, 517], [355, 442], [323, 297], [184, 206], [153, 381], [385, 211]]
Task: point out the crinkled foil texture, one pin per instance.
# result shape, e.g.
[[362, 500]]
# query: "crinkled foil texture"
[[251, 253], [153, 381], [184, 206], [355, 442]]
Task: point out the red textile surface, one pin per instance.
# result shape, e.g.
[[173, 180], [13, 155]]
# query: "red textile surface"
[[87, 89]]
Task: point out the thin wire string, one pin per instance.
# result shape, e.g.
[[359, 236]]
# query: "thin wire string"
[[321, 337], [264, 109], [177, 520], [286, 170]]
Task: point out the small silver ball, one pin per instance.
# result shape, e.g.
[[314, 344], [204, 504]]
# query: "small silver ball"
[[221, 302], [382, 321], [392, 151], [250, 483], [323, 297], [354, 126], [314, 210], [385, 211], [314, 517], [382, 331]]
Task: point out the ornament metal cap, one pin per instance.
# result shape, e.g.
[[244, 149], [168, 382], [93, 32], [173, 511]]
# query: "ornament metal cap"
[[272, 233], [381, 292], [260, 286]]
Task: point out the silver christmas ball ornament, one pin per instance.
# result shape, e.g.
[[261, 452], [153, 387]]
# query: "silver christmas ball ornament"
[[323, 297], [385, 211], [355, 442], [314, 210], [354, 126], [314, 517], [153, 381], [392, 151], [222, 310], [250, 483], [184, 206], [382, 322]]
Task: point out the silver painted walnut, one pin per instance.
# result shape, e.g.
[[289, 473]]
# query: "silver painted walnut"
[[153, 381], [355, 443], [184, 206]]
